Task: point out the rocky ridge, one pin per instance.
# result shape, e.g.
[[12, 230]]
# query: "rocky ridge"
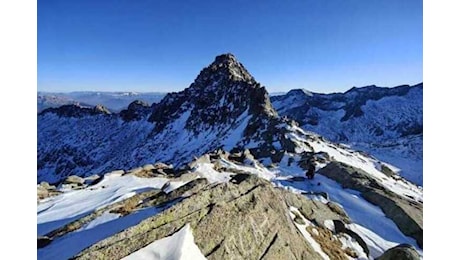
[[224, 108], [262, 221], [385, 122], [249, 140]]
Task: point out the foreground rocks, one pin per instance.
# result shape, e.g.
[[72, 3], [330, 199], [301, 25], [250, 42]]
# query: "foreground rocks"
[[246, 218], [45, 190], [407, 214], [400, 252]]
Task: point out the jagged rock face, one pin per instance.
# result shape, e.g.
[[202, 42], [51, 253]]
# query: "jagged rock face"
[[219, 95], [223, 108], [77, 111], [407, 215], [136, 110], [243, 219], [386, 122], [398, 110]]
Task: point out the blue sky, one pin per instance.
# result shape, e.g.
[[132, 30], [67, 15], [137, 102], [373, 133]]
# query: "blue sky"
[[159, 45]]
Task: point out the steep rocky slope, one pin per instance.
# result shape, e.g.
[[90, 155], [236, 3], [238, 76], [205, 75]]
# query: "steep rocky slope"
[[385, 122], [229, 164], [233, 209], [224, 108]]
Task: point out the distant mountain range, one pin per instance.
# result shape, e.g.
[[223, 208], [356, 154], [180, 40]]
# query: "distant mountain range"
[[385, 122], [114, 101], [217, 171]]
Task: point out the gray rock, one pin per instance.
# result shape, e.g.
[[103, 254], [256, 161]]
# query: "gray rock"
[[73, 179], [44, 190], [43, 241], [203, 159], [47, 186], [246, 218], [407, 214], [148, 167], [93, 179], [340, 228], [400, 252]]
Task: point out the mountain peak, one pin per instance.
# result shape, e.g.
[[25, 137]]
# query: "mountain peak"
[[225, 68], [227, 57]]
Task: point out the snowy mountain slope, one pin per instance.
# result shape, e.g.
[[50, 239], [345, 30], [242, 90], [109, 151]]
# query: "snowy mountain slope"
[[386, 122], [250, 166], [115, 101], [224, 107], [364, 219]]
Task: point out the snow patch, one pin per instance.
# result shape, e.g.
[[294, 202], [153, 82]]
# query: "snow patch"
[[64, 208], [206, 170], [179, 246], [306, 235]]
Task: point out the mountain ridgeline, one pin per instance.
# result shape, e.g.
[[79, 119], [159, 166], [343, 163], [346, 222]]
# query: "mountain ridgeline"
[[385, 122], [224, 161], [223, 108]]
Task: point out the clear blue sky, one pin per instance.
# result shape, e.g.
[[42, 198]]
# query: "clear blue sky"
[[161, 45]]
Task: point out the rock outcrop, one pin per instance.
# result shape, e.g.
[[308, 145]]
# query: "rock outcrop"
[[137, 110], [76, 110], [407, 214], [400, 252], [246, 218]]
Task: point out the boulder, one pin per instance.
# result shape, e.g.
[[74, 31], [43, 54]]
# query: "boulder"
[[43, 241], [73, 179], [203, 159], [148, 167], [45, 190], [47, 186], [93, 179], [400, 252]]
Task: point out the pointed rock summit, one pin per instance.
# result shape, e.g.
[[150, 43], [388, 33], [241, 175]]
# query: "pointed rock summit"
[[225, 66], [224, 108], [222, 92]]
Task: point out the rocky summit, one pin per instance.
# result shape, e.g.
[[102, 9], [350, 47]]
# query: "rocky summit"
[[223, 108], [214, 172]]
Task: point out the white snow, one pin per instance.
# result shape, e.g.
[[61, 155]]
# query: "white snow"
[[105, 217], [308, 237], [369, 166], [60, 210], [64, 208], [376, 244], [179, 246], [349, 242], [255, 169], [358, 209], [237, 131], [329, 224], [206, 170], [386, 115], [70, 244]]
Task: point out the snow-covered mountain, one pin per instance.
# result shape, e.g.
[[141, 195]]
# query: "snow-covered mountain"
[[230, 206], [114, 101], [385, 122], [224, 108], [213, 171]]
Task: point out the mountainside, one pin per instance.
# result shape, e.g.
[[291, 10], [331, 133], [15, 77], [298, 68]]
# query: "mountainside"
[[215, 172], [114, 101], [385, 122], [232, 207], [224, 108]]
